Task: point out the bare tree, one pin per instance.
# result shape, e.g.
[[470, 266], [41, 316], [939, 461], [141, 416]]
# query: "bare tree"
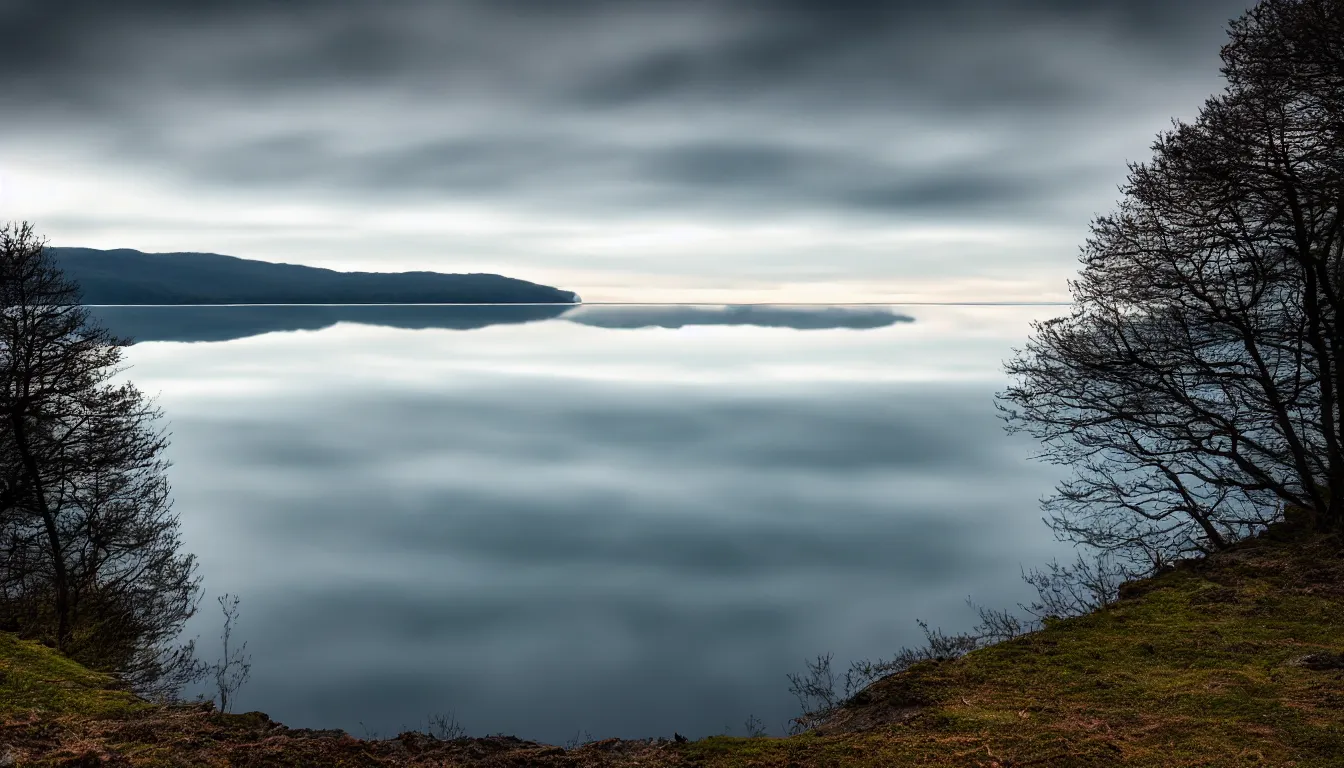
[[445, 727], [89, 547], [234, 666], [1196, 386]]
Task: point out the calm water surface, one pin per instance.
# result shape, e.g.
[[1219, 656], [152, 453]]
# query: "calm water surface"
[[619, 520]]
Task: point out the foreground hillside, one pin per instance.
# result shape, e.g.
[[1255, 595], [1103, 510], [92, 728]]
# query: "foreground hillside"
[[126, 276], [1231, 661]]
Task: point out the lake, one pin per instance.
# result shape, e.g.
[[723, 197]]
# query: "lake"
[[619, 520]]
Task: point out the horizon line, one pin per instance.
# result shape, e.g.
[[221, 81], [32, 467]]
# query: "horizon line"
[[624, 304]]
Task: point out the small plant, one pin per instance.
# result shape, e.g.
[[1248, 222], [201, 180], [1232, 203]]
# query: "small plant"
[[445, 727], [1062, 591], [754, 727], [815, 692], [234, 668], [579, 739], [1074, 590]]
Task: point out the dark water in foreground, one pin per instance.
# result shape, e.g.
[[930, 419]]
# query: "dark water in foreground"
[[620, 520]]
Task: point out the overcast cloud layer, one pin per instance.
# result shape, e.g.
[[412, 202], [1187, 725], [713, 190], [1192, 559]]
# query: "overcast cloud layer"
[[739, 151]]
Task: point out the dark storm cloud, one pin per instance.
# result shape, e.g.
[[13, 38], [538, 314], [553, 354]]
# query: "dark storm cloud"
[[726, 107], [959, 53], [335, 41], [588, 173]]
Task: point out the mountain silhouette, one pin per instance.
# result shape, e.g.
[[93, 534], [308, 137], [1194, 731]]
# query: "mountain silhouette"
[[126, 276]]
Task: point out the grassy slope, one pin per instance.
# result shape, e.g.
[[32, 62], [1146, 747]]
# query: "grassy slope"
[[1232, 661], [35, 680]]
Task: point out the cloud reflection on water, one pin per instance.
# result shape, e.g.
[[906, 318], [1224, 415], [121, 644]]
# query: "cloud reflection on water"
[[765, 316], [415, 527], [223, 323]]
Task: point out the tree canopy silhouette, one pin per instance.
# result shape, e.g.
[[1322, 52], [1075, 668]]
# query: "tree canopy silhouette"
[[89, 547], [1196, 385]]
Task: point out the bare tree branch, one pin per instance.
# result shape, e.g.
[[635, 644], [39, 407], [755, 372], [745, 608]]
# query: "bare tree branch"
[[1196, 386], [89, 548]]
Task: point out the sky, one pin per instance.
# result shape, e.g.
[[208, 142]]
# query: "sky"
[[629, 150]]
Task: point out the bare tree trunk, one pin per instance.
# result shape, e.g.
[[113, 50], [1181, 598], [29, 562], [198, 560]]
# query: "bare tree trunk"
[[59, 572]]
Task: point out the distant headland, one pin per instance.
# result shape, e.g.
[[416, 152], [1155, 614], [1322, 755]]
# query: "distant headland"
[[125, 276]]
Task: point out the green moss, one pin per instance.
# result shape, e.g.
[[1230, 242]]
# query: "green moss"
[[37, 679]]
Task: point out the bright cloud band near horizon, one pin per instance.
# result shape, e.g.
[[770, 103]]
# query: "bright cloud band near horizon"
[[715, 150]]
